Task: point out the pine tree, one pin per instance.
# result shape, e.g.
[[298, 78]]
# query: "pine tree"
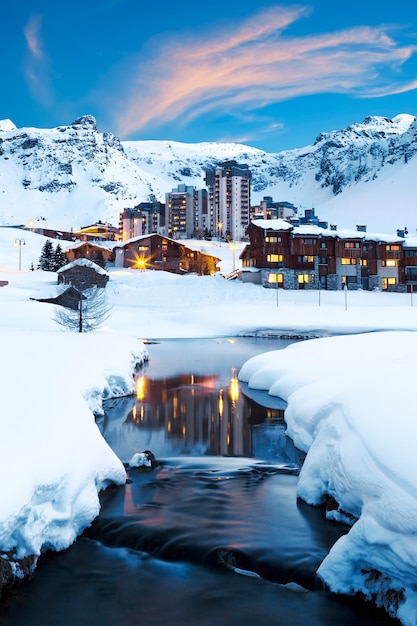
[[46, 260], [59, 258]]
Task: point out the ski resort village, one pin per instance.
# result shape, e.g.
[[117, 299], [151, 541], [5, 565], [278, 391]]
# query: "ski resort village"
[[208, 357]]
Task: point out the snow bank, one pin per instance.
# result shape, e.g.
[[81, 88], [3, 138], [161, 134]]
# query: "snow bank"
[[351, 405], [53, 458]]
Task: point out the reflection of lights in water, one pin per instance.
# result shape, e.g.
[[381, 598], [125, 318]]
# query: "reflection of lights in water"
[[169, 426], [231, 341], [134, 413], [192, 379], [142, 412], [234, 386], [220, 404], [174, 407], [140, 388], [183, 430]]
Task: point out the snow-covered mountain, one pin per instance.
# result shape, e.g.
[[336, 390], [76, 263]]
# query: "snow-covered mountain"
[[74, 175]]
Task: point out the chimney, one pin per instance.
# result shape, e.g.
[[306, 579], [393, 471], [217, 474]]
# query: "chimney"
[[333, 226], [400, 232], [361, 228]]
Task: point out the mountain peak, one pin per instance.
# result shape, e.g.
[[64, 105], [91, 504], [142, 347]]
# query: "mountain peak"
[[87, 121], [7, 125]]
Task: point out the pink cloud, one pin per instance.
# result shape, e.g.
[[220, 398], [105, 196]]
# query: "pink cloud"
[[256, 64], [32, 36]]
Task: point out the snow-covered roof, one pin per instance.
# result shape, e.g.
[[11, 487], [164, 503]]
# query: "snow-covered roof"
[[313, 230], [85, 263], [273, 224]]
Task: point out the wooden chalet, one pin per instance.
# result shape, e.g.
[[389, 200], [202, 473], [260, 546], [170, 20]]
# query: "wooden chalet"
[[156, 252], [311, 257], [82, 274], [100, 254]]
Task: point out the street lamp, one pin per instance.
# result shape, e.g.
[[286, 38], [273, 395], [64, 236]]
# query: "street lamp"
[[233, 247], [20, 243]]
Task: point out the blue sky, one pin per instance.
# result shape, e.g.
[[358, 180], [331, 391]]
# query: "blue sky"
[[266, 74]]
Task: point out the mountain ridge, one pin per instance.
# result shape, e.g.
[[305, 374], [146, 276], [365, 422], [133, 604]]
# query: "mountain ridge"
[[74, 175]]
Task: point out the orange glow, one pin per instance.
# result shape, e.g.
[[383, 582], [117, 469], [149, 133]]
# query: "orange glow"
[[221, 403], [140, 388], [234, 387]]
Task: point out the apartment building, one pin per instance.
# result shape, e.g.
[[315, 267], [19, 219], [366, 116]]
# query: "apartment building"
[[143, 219], [229, 187], [186, 212], [312, 257]]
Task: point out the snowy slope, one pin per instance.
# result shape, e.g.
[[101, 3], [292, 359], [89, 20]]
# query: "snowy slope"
[[75, 175]]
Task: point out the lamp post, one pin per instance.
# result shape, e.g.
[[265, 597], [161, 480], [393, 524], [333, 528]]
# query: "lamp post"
[[233, 247], [20, 242]]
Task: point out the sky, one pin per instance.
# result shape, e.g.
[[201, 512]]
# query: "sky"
[[270, 75]]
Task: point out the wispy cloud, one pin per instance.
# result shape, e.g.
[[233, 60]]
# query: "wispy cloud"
[[32, 36], [257, 64], [36, 66]]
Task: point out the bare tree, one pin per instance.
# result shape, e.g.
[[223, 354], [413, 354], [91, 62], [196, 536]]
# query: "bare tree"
[[91, 312]]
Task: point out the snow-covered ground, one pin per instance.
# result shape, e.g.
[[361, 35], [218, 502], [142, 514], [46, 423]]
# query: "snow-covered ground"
[[350, 404]]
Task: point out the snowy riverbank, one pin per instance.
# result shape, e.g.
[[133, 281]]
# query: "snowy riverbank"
[[351, 407]]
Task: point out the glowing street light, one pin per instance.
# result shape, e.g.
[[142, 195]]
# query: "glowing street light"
[[20, 242]]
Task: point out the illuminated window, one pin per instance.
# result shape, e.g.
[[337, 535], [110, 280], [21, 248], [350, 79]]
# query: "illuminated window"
[[270, 239], [276, 278], [305, 278], [389, 263], [393, 247], [352, 244], [347, 261], [275, 258], [390, 281], [364, 262]]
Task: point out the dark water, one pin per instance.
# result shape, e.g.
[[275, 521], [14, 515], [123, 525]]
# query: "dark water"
[[214, 534]]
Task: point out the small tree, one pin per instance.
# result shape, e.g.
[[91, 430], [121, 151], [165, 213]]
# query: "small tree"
[[58, 258], [46, 260], [93, 310]]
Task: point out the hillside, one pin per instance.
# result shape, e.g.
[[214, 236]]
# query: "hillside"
[[73, 175]]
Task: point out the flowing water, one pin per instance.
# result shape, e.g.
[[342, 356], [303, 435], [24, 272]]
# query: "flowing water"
[[214, 533]]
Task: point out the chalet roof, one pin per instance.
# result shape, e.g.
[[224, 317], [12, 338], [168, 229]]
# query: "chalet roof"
[[85, 263], [410, 242], [317, 231], [103, 245]]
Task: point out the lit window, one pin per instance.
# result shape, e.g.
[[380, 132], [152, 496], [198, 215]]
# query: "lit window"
[[305, 278], [270, 239], [393, 247], [347, 261], [351, 244], [389, 263], [386, 282], [364, 262], [275, 258], [275, 278]]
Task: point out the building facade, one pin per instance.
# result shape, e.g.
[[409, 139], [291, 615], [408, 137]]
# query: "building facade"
[[229, 189], [143, 219], [311, 257], [186, 212], [155, 252]]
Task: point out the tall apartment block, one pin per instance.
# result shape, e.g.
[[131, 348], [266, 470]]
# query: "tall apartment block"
[[186, 212], [229, 199]]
